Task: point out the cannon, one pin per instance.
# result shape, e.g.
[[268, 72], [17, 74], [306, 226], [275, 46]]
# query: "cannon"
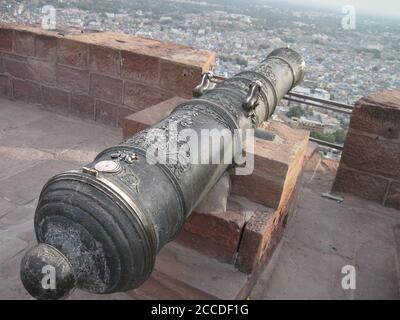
[[100, 228]]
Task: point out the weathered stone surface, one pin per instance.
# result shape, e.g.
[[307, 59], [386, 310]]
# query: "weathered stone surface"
[[6, 39], [257, 235], [140, 67], [150, 116], [4, 86], [372, 148], [2, 69], [42, 71], [46, 48], [73, 79], [277, 165], [373, 156], [123, 112], [360, 184], [215, 235], [52, 134], [25, 43], [25, 186], [323, 225], [217, 280], [106, 88], [5, 207], [82, 106], [303, 273], [163, 287], [56, 100], [10, 247], [104, 60], [18, 69], [17, 159], [14, 56], [378, 114], [20, 215], [179, 79], [26, 91], [72, 53], [393, 197], [106, 113], [141, 96]]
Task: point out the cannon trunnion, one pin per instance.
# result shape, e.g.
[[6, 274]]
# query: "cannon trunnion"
[[100, 228]]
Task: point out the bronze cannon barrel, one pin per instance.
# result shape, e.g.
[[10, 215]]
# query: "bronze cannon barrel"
[[99, 229]]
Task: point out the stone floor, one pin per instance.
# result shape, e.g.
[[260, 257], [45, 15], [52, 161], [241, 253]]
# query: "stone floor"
[[321, 237]]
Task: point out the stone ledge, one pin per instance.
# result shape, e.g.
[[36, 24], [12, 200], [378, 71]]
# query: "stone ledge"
[[168, 51]]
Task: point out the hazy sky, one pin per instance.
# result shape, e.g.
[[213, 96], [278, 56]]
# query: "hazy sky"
[[382, 7]]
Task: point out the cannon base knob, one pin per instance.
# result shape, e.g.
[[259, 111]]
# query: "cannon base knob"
[[46, 273]]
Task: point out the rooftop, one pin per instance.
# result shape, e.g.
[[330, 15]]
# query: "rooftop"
[[321, 237]]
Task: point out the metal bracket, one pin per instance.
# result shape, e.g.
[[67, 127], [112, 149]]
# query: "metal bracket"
[[205, 84], [253, 96]]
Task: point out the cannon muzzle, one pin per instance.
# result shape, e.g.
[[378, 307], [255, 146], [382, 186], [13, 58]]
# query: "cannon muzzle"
[[100, 228]]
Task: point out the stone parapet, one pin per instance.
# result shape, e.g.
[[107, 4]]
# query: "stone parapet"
[[370, 165], [103, 76]]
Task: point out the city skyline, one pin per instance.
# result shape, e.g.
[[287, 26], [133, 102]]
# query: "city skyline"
[[390, 8]]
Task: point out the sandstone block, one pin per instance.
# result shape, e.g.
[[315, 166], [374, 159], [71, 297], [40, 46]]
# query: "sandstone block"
[[104, 60], [46, 48], [42, 71], [25, 43], [140, 67], [6, 40], [393, 197], [56, 100], [140, 96], [26, 91], [277, 166], [373, 156], [378, 114], [179, 79], [73, 79], [72, 53], [4, 86], [106, 113], [360, 184], [18, 69], [106, 88], [82, 106]]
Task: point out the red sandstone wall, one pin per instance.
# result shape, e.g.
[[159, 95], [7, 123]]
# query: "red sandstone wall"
[[102, 76], [370, 165]]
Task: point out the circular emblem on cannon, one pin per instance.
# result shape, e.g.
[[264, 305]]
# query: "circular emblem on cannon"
[[108, 166]]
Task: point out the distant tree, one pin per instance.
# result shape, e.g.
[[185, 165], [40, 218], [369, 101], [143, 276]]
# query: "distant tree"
[[340, 135], [328, 137], [295, 112]]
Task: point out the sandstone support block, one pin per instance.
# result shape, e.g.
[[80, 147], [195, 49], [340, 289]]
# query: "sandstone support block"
[[277, 165]]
